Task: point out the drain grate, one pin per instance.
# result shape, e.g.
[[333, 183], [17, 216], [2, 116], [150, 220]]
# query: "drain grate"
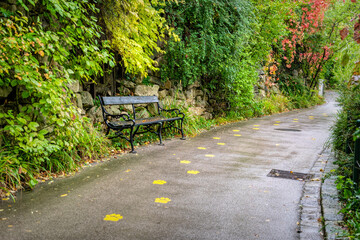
[[290, 175], [288, 129]]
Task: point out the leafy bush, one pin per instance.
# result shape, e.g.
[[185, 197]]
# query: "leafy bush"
[[42, 129]]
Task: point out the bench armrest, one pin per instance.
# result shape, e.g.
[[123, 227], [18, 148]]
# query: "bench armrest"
[[177, 111], [124, 116]]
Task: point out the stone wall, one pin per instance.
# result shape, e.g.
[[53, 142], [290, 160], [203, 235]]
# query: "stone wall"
[[193, 99]]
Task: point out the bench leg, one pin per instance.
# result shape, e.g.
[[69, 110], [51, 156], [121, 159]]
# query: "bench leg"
[[182, 132], [132, 133], [159, 134]]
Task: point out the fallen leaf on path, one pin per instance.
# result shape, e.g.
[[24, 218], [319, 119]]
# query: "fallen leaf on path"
[[278, 121], [1, 210], [220, 143], [113, 217], [193, 172], [277, 144], [236, 130], [201, 148], [209, 155], [315, 179], [256, 128], [64, 195], [276, 124], [159, 182], [162, 200], [128, 170], [237, 135], [313, 139], [256, 125], [5, 199], [185, 162], [10, 226], [295, 119], [216, 138]]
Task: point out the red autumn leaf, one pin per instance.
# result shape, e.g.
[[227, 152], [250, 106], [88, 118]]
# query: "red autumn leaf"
[[357, 31], [343, 33]]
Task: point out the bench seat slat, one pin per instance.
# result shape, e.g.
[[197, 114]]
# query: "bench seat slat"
[[114, 100], [144, 121]]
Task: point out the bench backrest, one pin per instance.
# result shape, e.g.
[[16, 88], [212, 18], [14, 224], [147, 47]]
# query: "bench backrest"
[[122, 100], [128, 100]]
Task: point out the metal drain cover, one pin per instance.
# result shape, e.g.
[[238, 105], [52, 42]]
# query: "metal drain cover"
[[290, 175], [288, 129]]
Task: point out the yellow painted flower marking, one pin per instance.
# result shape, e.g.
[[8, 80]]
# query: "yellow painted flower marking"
[[193, 172], [209, 155], [159, 182], [217, 138], [237, 135], [162, 200], [64, 195], [221, 144], [185, 162], [201, 148], [113, 217], [236, 130]]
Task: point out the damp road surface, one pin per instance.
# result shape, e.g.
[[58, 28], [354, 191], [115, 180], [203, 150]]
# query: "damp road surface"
[[213, 186]]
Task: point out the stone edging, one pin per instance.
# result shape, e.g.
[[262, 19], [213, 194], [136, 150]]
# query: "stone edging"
[[319, 204]]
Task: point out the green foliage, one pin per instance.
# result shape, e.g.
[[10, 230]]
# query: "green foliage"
[[43, 130], [136, 27], [213, 48], [345, 126]]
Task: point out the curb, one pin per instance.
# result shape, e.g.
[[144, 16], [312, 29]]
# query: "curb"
[[319, 206], [330, 204]]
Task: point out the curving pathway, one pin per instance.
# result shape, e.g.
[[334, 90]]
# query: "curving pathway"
[[213, 186]]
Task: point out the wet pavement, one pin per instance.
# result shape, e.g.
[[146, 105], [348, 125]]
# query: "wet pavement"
[[214, 186]]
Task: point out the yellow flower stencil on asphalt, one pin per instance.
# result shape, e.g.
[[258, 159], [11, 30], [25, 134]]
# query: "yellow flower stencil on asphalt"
[[221, 144], [217, 138], [193, 172], [113, 217], [201, 148], [236, 130], [162, 200], [237, 135], [185, 162], [159, 182], [209, 155]]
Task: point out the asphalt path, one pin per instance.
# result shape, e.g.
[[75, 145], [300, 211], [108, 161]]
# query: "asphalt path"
[[213, 186]]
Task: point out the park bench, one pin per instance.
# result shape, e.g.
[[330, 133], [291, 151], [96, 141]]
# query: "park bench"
[[120, 122]]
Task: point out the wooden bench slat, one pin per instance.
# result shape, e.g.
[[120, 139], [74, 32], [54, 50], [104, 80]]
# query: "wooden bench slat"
[[122, 100]]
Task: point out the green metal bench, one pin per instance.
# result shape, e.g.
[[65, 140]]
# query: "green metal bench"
[[123, 121]]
